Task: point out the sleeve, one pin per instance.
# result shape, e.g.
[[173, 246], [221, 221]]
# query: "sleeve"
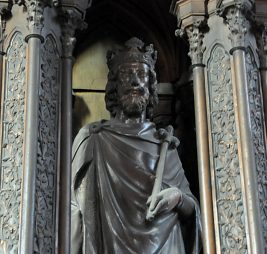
[[76, 226], [79, 158], [174, 176], [188, 208]]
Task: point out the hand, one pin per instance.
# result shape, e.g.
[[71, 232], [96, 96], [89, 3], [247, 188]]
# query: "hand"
[[166, 200]]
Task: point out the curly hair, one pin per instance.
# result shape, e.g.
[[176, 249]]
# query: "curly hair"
[[111, 97]]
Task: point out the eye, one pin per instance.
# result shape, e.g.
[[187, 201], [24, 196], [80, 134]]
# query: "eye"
[[141, 74], [123, 74]]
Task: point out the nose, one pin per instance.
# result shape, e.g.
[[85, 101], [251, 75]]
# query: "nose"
[[134, 80]]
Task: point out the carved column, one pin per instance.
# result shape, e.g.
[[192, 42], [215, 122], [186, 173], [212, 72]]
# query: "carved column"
[[261, 35], [194, 27], [4, 15], [237, 19], [235, 118], [195, 37], [34, 39], [11, 132], [30, 126], [68, 43], [71, 20], [262, 44]]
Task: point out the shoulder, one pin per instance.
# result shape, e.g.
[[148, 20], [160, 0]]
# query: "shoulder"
[[84, 134]]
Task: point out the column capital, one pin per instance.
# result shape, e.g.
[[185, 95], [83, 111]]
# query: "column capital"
[[71, 20], [71, 15], [237, 15], [195, 35], [191, 21], [245, 5], [35, 10]]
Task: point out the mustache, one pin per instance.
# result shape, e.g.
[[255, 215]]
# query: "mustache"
[[136, 90]]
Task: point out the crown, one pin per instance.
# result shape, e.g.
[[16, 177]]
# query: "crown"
[[134, 51]]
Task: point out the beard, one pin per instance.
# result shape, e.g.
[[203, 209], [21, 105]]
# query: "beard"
[[133, 105]]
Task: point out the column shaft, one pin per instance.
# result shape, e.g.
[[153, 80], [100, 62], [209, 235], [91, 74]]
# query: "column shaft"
[[247, 152], [1, 57], [264, 91], [1, 76], [30, 149], [203, 160], [65, 157]]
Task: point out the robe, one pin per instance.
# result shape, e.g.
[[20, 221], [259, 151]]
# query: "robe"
[[113, 173]]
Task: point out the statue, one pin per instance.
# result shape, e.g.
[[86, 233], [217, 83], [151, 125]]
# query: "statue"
[[117, 164]]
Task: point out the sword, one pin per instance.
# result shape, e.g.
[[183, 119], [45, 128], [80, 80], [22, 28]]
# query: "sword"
[[167, 136]]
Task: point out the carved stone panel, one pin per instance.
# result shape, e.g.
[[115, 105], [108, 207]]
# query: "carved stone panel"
[[226, 168], [12, 144], [47, 149], [258, 136]]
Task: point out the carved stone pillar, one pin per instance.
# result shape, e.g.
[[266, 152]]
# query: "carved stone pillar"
[[4, 15], [33, 81], [34, 39], [236, 128], [12, 121], [250, 120], [261, 35], [195, 37], [71, 20], [191, 17]]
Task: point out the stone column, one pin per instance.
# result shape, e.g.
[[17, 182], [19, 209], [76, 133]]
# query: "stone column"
[[194, 27], [30, 126], [34, 39], [4, 15], [262, 44], [71, 20], [195, 37], [235, 119], [261, 35], [250, 119]]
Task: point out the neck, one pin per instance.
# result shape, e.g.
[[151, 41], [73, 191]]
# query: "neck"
[[121, 116]]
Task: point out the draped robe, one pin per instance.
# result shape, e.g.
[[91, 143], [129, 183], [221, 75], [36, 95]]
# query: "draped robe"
[[113, 175]]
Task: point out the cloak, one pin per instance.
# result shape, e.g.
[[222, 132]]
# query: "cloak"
[[113, 173]]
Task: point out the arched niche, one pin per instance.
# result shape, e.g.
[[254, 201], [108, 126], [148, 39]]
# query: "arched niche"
[[111, 23]]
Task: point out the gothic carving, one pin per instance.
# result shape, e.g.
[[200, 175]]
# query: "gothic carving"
[[229, 201], [35, 9], [264, 39], [244, 5], [261, 37], [258, 135], [236, 15], [2, 34], [196, 47], [12, 145], [47, 150], [238, 25], [70, 20]]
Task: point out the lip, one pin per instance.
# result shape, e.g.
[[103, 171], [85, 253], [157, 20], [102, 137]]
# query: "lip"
[[135, 92]]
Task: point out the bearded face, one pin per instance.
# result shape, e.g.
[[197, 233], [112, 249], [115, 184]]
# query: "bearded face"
[[133, 88], [134, 102]]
